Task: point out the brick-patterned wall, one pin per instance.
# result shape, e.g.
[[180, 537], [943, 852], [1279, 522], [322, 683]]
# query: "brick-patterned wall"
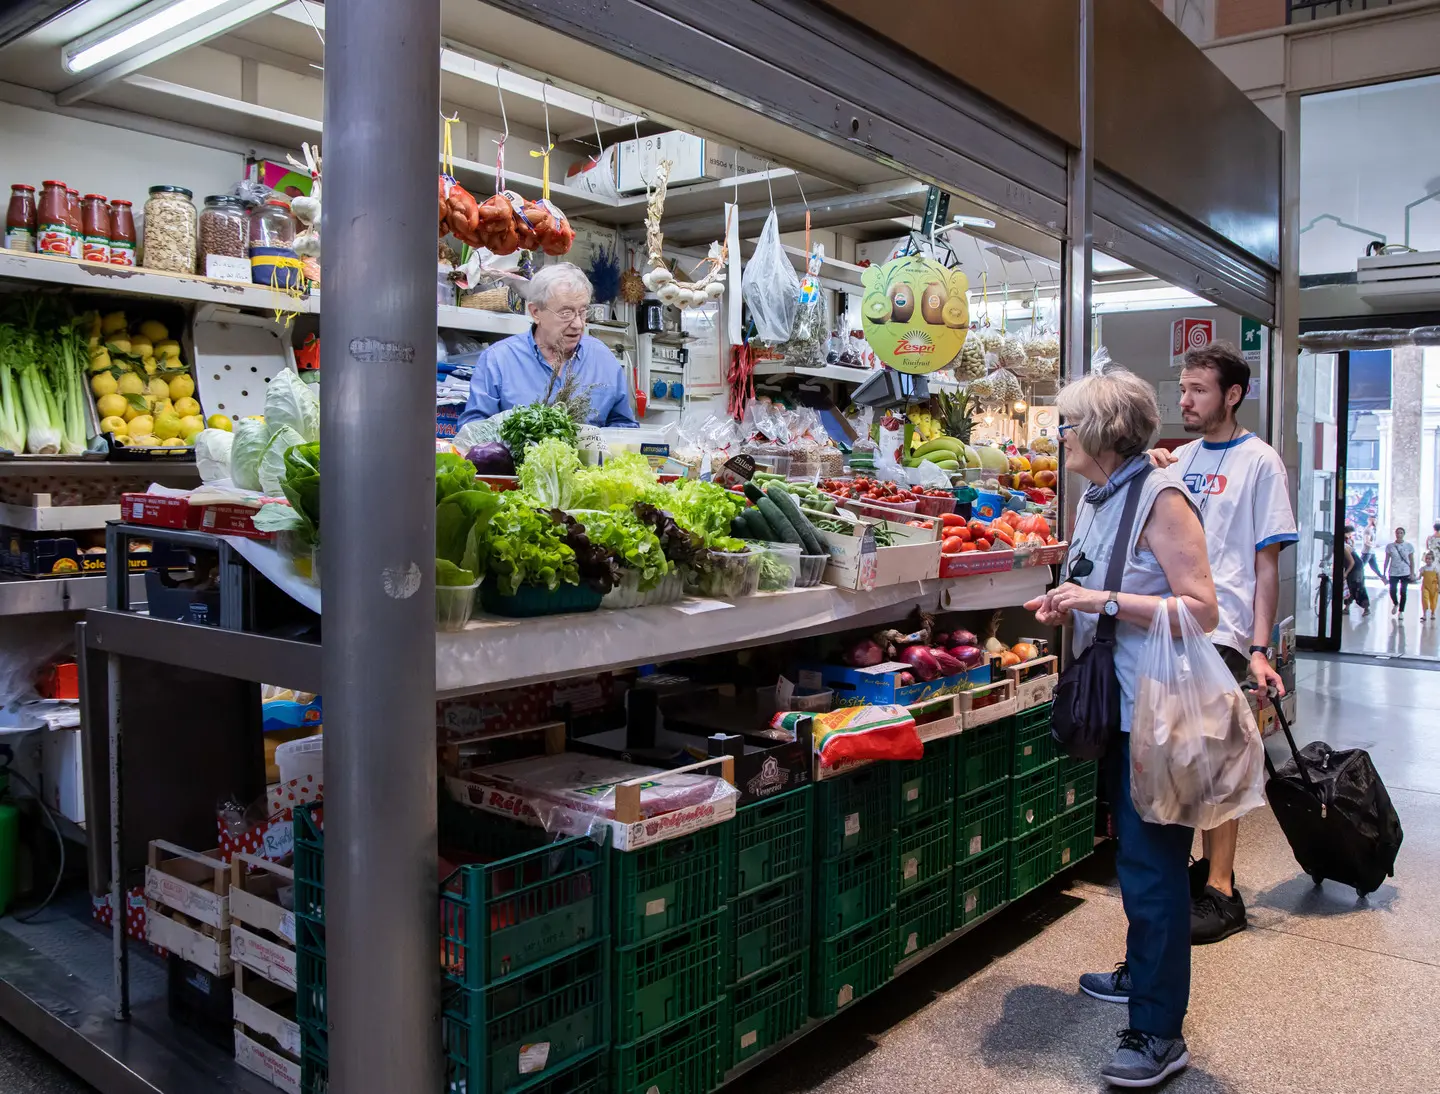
[[1234, 17]]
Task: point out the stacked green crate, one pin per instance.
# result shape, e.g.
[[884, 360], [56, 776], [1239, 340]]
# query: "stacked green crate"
[[980, 824], [768, 964], [1033, 775], [925, 857], [855, 878], [525, 950], [672, 924], [309, 836], [1076, 787]]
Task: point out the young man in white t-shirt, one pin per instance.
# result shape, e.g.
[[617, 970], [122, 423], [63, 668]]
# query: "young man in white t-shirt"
[[1238, 483]]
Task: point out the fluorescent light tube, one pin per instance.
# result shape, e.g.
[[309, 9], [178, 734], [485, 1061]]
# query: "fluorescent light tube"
[[109, 42]]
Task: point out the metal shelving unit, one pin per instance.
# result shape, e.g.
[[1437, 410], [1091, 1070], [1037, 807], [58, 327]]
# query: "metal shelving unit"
[[39, 595]]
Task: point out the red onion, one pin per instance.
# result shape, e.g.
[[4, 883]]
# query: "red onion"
[[972, 657], [949, 666], [904, 679], [960, 638], [922, 661], [863, 654], [942, 640]]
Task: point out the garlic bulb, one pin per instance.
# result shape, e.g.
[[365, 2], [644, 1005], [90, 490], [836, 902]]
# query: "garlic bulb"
[[669, 294], [715, 290], [662, 275]]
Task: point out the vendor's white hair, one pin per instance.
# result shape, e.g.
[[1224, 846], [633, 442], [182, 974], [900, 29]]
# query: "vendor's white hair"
[[557, 277]]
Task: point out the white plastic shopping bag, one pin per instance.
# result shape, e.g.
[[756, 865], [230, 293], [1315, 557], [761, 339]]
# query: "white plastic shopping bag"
[[770, 285], [1195, 753]]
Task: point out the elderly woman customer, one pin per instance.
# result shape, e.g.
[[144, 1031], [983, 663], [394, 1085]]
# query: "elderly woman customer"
[[1111, 416], [532, 367]]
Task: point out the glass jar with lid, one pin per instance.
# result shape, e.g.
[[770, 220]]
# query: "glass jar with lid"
[[122, 233], [77, 230], [273, 225], [52, 220], [224, 230], [20, 218], [169, 232], [95, 223]]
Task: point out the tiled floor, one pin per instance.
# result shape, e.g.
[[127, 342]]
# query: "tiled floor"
[[1390, 635], [1323, 995]]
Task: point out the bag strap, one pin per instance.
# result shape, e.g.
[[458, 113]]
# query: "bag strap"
[[1105, 627]]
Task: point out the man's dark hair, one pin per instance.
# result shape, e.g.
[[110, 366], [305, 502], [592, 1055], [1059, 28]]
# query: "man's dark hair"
[[1224, 360]]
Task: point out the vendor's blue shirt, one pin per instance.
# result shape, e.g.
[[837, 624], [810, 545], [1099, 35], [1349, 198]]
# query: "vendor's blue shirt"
[[512, 373]]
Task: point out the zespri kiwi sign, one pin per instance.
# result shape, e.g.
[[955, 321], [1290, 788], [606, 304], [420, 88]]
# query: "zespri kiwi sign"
[[915, 313]]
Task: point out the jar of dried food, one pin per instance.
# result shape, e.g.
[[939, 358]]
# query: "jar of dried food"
[[122, 233], [272, 225], [224, 231], [20, 218], [170, 224]]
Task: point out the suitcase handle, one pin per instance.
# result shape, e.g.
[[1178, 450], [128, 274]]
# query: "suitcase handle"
[[1273, 696]]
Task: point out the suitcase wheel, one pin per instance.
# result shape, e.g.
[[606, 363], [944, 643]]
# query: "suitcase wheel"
[[1317, 879]]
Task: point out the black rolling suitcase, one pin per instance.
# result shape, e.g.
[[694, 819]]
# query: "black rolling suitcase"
[[1335, 812]]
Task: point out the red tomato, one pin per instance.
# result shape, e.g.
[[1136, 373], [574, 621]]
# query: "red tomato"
[[1003, 534], [968, 547], [962, 534], [952, 545], [982, 544], [952, 520]]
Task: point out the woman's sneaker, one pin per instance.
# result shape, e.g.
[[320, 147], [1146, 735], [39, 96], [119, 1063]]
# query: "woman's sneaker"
[[1215, 916], [1108, 987], [1144, 1060]]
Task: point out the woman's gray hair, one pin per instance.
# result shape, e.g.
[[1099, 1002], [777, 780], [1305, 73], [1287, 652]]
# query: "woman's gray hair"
[[556, 277], [1112, 410]]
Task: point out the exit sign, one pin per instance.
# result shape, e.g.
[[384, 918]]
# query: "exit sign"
[[1252, 342]]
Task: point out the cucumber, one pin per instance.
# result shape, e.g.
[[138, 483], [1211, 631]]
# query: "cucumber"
[[756, 526], [766, 476], [753, 492], [775, 517], [737, 527], [801, 524]]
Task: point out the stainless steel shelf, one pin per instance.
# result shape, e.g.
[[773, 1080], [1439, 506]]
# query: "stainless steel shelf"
[[37, 595], [177, 472], [495, 653]]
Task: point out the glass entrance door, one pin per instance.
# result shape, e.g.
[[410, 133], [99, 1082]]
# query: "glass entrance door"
[[1320, 563]]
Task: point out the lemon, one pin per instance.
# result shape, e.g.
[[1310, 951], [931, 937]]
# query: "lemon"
[[190, 424], [162, 406], [131, 413], [167, 426], [113, 322], [185, 405], [131, 384], [114, 424], [141, 347], [181, 387], [219, 421], [102, 383], [146, 441], [191, 438], [169, 350], [150, 365], [154, 330], [158, 389], [111, 406], [141, 425], [173, 442]]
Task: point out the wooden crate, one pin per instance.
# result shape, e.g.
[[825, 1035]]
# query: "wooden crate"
[[187, 905], [981, 706], [262, 932], [274, 1067], [1035, 681]]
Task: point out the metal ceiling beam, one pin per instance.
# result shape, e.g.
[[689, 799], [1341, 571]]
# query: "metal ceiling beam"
[[824, 213]]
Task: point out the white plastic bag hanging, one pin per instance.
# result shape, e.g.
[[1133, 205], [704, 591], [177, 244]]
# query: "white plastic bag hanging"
[[770, 285], [1195, 753]]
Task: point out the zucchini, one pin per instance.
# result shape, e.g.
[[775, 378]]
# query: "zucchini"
[[753, 492], [756, 526], [801, 524], [775, 517]]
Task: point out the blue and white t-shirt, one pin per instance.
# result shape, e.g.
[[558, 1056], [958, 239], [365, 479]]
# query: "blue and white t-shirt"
[[1243, 494]]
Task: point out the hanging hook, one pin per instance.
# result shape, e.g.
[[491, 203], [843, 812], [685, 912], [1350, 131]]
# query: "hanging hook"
[[639, 159], [768, 186], [544, 154], [599, 141]]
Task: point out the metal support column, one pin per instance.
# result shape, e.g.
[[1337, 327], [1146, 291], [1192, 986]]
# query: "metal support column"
[[382, 109], [1079, 232]]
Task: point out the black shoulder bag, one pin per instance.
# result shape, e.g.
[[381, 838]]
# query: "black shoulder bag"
[[1086, 710]]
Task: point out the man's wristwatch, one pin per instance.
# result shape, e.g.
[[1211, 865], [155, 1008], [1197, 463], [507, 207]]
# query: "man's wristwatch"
[[1261, 649], [1112, 605]]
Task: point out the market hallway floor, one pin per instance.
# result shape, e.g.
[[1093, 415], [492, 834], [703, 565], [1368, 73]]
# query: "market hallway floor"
[[1321, 996]]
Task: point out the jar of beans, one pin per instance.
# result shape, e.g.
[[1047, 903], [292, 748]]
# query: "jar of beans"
[[169, 234], [224, 230]]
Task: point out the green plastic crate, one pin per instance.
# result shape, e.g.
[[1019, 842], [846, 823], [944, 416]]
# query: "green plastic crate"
[[924, 785], [853, 810], [922, 917], [1076, 783], [488, 1035], [1075, 835], [686, 1057], [926, 850], [663, 979], [589, 1076], [671, 884], [310, 976], [542, 899], [853, 965], [768, 1008], [314, 1076], [768, 926], [854, 888], [982, 756], [772, 840], [309, 838], [982, 820], [1033, 747], [1032, 801], [1032, 860], [981, 885]]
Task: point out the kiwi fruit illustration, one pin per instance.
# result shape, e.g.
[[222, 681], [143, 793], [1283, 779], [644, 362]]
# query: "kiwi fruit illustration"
[[933, 299], [902, 302], [876, 307]]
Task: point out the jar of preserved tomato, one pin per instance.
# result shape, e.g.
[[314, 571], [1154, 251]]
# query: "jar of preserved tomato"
[[20, 218], [77, 227], [95, 220], [170, 222], [52, 220], [122, 233]]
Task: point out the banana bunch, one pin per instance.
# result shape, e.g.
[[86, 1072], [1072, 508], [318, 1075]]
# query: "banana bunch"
[[946, 453]]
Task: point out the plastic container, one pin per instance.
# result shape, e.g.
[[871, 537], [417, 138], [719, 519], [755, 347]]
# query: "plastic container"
[[1074, 835], [853, 810], [662, 980], [981, 885], [922, 917], [1076, 783], [302, 759], [767, 1009], [533, 600], [771, 840], [1032, 799], [812, 570], [982, 756], [853, 965], [853, 888], [686, 1056], [929, 506], [454, 605], [779, 567], [926, 851], [627, 594], [664, 887], [1034, 746], [1032, 860], [926, 784], [729, 574], [769, 926], [982, 821]]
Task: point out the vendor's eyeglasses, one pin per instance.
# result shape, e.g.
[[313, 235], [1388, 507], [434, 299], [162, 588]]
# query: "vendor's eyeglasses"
[[567, 315]]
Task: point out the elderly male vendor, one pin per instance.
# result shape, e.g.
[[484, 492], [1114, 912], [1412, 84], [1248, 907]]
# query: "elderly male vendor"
[[531, 367]]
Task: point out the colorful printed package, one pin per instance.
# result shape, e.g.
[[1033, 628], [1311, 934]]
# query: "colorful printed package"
[[860, 733]]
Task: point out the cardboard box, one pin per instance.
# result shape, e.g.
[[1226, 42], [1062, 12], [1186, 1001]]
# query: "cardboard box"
[[694, 159], [476, 716], [63, 774], [881, 683], [880, 251], [272, 838], [43, 554], [857, 563], [162, 511]]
